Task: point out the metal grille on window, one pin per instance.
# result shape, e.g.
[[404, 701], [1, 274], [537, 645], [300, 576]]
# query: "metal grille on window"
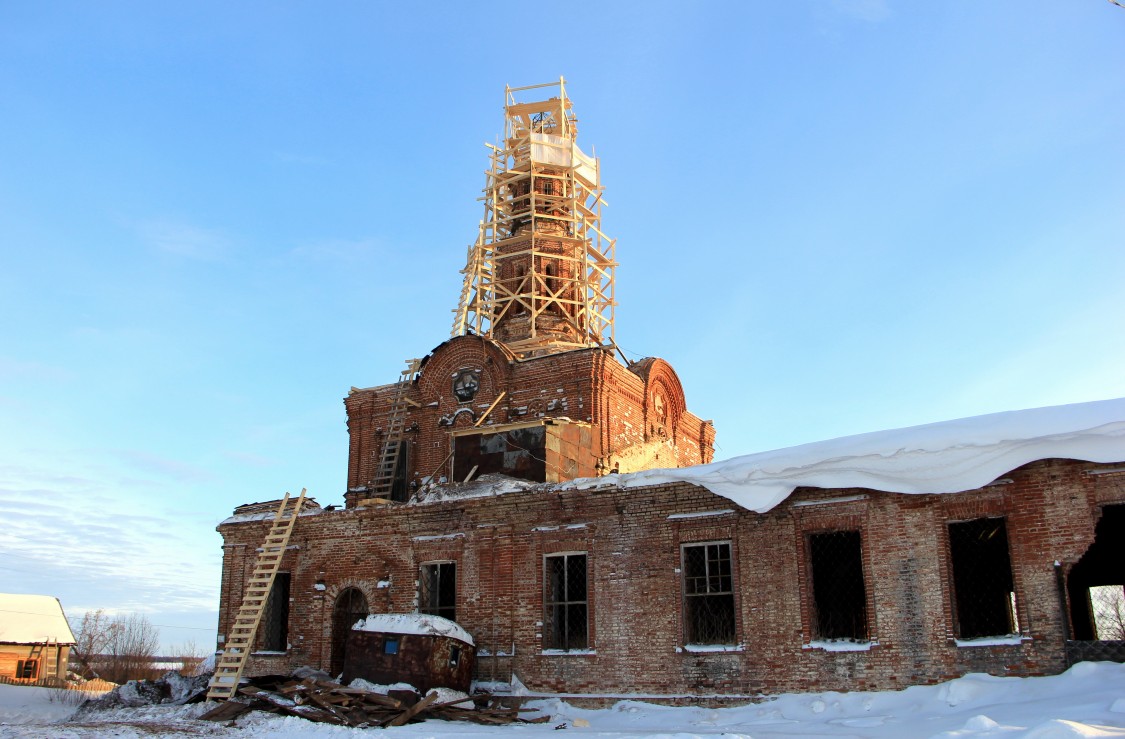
[[275, 620], [566, 619], [982, 578], [439, 590], [708, 594], [839, 596]]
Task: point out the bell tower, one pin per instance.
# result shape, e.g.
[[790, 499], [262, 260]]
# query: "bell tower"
[[539, 277]]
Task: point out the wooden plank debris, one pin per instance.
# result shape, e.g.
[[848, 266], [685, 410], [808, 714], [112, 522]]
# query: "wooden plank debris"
[[324, 701]]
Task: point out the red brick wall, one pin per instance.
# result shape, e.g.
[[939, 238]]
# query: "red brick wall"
[[586, 385], [635, 594]]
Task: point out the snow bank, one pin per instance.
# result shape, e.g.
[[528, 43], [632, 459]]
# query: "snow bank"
[[946, 457], [1083, 702], [25, 705], [413, 623]]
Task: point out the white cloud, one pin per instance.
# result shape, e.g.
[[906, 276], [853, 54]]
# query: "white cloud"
[[872, 11], [169, 468], [15, 369], [79, 536], [337, 250], [248, 458], [184, 240]]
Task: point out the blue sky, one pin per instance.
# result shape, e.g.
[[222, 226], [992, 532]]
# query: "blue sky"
[[832, 217]]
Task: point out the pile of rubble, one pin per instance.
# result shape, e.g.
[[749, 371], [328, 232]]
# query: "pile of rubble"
[[319, 699], [173, 689]]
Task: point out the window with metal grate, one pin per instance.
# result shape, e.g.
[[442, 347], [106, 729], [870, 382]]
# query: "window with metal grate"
[[566, 620], [839, 595], [983, 588], [708, 594], [438, 594]]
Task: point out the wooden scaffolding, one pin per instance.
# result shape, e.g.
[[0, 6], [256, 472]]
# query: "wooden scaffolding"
[[540, 275]]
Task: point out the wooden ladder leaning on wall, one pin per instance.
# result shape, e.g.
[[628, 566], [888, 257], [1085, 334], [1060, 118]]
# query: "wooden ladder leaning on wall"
[[40, 655], [384, 480], [240, 642]]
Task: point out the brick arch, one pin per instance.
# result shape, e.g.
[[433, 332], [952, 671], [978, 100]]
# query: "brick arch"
[[366, 587], [345, 599], [659, 376], [464, 352]]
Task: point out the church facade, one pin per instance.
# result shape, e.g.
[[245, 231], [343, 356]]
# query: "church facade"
[[558, 504]]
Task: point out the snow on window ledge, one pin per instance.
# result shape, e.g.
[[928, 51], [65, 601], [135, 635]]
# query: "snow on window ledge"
[[567, 652], [1009, 640], [699, 514], [266, 653], [840, 645], [710, 648]]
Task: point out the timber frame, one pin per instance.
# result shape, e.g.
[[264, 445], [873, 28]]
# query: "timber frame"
[[540, 276]]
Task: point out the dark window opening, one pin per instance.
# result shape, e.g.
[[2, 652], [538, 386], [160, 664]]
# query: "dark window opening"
[[1094, 583], [708, 594], [438, 595], [567, 615], [27, 669], [390, 646], [839, 596], [275, 619], [400, 490], [983, 588], [454, 656]]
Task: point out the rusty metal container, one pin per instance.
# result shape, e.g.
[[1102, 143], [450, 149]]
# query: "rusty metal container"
[[422, 650]]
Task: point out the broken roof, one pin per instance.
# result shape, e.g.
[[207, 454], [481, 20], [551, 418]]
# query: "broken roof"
[[33, 619], [946, 457]]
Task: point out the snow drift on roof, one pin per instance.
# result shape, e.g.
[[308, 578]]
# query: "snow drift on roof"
[[413, 623], [32, 619], [946, 457]]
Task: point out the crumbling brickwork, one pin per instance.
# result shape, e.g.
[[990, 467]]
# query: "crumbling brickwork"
[[637, 414], [637, 545]]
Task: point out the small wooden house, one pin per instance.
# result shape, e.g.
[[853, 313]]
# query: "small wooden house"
[[35, 638], [423, 650]]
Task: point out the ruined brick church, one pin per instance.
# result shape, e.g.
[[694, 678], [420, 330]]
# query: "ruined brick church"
[[562, 506]]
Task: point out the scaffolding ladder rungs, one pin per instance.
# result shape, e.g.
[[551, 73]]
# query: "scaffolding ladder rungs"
[[231, 663]]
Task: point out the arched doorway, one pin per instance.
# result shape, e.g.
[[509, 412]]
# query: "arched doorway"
[[351, 606]]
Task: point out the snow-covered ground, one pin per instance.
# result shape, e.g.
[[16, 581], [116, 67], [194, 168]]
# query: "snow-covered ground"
[[1086, 701]]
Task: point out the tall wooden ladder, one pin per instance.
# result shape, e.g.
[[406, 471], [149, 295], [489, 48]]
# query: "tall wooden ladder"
[[384, 478], [240, 642]]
